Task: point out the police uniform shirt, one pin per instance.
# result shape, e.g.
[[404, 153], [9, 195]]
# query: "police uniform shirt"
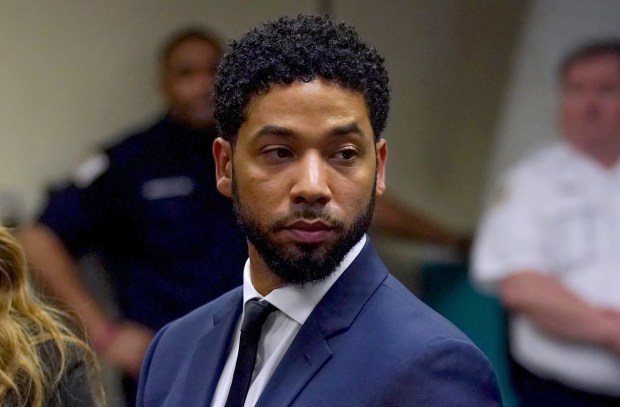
[[149, 205], [557, 212]]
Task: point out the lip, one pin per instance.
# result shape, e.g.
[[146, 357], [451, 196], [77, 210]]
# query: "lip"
[[309, 232]]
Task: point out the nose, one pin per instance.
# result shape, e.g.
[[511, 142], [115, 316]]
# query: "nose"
[[311, 186], [592, 104]]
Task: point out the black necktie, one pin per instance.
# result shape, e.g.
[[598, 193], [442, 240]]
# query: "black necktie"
[[256, 313]]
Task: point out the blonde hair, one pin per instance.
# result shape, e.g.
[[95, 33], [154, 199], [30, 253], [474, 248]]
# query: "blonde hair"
[[29, 328]]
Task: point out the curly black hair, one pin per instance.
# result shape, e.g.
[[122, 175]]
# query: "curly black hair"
[[301, 48]]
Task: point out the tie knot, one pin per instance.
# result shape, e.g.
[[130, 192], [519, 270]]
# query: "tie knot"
[[256, 313]]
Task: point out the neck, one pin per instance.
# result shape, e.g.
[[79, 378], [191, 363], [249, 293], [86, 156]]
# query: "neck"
[[190, 127], [263, 279], [604, 150], [606, 158]]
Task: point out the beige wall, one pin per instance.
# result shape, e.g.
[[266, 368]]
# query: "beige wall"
[[77, 73], [448, 61]]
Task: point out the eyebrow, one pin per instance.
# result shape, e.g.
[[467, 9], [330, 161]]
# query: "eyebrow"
[[351, 128], [338, 131], [271, 130]]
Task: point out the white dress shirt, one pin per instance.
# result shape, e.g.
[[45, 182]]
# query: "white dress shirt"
[[294, 305], [557, 212]]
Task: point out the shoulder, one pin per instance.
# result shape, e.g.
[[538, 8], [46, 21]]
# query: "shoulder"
[[446, 372], [422, 347], [136, 142], [412, 317], [376, 298], [189, 328], [122, 152], [533, 176], [182, 346], [197, 317], [541, 165]]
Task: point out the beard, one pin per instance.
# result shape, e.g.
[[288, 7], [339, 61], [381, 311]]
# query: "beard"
[[302, 263]]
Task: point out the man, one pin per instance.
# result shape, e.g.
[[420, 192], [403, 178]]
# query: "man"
[[549, 245], [149, 206], [300, 105]]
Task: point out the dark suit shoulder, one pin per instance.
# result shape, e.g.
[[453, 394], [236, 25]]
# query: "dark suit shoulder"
[[442, 372], [191, 326], [196, 342], [399, 352], [409, 312], [427, 352]]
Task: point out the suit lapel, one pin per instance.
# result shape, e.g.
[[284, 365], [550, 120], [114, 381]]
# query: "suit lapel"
[[301, 361], [333, 315], [211, 353]]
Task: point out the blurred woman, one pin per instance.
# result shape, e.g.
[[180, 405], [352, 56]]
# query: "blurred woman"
[[42, 362]]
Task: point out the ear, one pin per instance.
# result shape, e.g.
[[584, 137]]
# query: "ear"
[[222, 153], [382, 153]]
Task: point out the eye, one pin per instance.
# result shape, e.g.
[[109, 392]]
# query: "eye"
[[346, 154], [184, 72], [277, 153], [610, 90]]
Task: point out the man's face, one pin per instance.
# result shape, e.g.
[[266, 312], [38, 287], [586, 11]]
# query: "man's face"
[[188, 82], [303, 177], [591, 106]]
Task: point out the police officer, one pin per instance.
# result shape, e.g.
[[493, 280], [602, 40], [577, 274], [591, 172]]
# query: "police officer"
[[550, 245], [149, 206]]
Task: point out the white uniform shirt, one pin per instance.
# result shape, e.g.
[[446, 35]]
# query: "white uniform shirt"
[[294, 305], [557, 212]]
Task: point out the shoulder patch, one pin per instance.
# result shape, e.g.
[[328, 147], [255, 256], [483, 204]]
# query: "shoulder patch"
[[170, 187], [91, 169]]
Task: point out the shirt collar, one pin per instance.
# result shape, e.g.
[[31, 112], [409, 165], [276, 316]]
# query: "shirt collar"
[[298, 302]]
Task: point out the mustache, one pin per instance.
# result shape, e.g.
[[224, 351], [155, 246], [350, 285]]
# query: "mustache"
[[308, 214]]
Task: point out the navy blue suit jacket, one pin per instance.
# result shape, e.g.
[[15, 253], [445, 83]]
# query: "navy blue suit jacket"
[[369, 342]]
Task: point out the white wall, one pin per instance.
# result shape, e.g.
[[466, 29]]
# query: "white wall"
[[448, 61]]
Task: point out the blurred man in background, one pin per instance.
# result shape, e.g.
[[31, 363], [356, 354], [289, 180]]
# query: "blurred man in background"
[[550, 245], [148, 205]]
